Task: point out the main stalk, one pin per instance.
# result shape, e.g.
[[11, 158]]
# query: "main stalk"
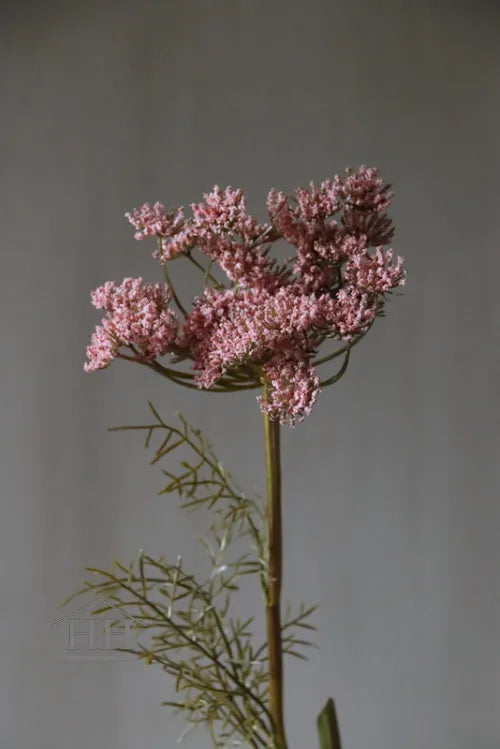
[[275, 571]]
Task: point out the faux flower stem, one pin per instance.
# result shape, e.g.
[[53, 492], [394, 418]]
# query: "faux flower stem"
[[172, 290], [275, 569]]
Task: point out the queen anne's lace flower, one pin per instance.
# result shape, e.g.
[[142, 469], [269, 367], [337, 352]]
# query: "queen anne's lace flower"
[[375, 273], [294, 387], [353, 313], [137, 315], [233, 327], [365, 190], [271, 320], [153, 221], [317, 203], [222, 212]]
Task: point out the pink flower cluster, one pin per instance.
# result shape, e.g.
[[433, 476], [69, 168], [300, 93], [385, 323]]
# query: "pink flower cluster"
[[256, 326], [294, 386], [137, 316], [152, 221], [224, 212], [271, 319], [228, 328]]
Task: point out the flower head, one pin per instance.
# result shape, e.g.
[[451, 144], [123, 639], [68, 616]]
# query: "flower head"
[[153, 221], [267, 322], [230, 328], [222, 212], [137, 316], [376, 273], [293, 387], [364, 189]]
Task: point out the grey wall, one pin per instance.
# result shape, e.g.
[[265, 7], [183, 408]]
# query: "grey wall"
[[392, 514]]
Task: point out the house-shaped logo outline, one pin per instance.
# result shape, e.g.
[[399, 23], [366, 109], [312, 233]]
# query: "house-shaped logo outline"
[[95, 603]]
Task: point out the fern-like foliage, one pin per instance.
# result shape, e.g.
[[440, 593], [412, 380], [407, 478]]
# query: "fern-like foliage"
[[202, 481], [186, 625]]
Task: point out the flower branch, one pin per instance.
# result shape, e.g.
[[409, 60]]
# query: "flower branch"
[[262, 328]]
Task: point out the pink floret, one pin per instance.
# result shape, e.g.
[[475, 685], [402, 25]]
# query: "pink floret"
[[223, 211], [152, 221], [137, 316], [365, 189], [294, 387], [375, 273]]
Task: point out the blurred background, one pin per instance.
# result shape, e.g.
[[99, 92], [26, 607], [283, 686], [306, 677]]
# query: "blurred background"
[[392, 517]]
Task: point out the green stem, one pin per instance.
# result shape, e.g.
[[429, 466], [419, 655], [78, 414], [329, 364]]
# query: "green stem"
[[170, 285], [340, 351], [224, 385], [336, 377], [275, 567], [205, 271]]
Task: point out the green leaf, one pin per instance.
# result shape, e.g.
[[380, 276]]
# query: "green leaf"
[[328, 728]]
